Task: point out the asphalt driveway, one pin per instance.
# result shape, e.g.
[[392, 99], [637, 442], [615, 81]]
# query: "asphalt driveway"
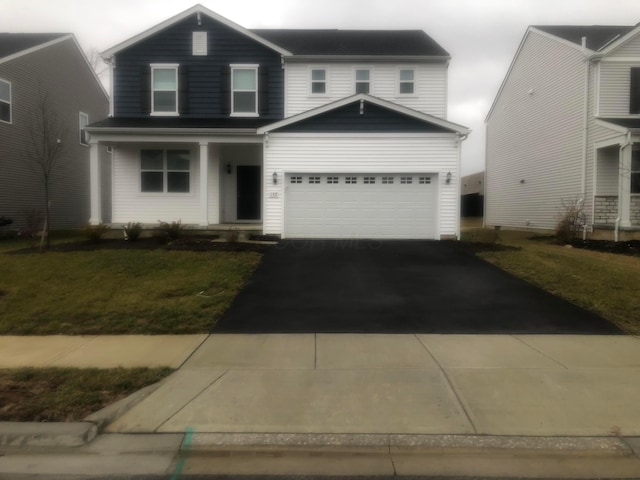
[[360, 286]]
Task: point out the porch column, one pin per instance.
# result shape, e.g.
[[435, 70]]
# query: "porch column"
[[624, 186], [94, 183], [204, 183]]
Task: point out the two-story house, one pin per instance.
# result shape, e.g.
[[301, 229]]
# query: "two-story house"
[[565, 127], [46, 80], [304, 133]]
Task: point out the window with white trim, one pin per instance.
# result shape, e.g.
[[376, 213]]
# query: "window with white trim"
[[406, 81], [83, 121], [5, 101], [165, 171], [318, 81], [164, 89], [363, 80], [244, 90]]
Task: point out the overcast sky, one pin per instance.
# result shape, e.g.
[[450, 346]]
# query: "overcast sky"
[[481, 35]]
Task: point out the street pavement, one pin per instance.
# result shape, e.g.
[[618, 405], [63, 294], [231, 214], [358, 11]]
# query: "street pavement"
[[346, 404]]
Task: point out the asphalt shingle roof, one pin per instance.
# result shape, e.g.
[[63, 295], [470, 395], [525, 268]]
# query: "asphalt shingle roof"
[[355, 42], [11, 43], [598, 36]]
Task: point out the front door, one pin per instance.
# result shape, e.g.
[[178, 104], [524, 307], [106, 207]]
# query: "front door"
[[249, 189]]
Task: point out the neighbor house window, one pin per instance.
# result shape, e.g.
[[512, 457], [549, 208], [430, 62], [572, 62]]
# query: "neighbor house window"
[[319, 81], [165, 171], [406, 84], [5, 101], [83, 122], [363, 80], [244, 84], [635, 172], [164, 89]]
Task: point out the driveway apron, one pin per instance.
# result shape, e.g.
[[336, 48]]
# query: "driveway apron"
[[364, 286]]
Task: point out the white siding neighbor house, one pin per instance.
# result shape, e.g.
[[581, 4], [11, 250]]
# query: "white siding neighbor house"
[[293, 133], [565, 127]]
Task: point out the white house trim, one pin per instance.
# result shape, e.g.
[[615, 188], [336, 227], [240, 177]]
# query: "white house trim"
[[364, 97], [621, 41], [181, 16]]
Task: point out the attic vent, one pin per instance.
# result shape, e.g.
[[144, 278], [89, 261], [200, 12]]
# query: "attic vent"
[[200, 43]]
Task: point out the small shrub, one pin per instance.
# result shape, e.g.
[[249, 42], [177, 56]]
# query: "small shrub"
[[32, 220], [171, 231], [95, 232], [572, 220], [132, 231]]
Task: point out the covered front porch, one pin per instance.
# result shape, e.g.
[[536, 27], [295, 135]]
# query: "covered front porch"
[[616, 202], [211, 182]]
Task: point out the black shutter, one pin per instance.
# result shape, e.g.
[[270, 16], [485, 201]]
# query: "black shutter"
[[225, 90], [145, 89], [183, 89], [263, 91], [634, 93]]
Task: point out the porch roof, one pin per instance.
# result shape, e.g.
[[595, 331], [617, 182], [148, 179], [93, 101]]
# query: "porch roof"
[[178, 123], [630, 123]]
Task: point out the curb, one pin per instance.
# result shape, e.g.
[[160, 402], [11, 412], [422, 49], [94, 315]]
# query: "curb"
[[47, 435]]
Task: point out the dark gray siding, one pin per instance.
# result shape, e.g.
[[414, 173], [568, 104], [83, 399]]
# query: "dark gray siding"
[[61, 71], [205, 80], [373, 119]]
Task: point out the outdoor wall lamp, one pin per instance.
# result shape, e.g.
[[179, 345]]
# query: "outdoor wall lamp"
[[275, 178], [448, 179], [229, 168]]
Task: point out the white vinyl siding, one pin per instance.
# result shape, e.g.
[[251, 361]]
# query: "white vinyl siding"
[[130, 205], [535, 136], [430, 83], [359, 154], [630, 49]]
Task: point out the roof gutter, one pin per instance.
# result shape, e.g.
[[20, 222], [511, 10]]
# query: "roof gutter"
[[368, 58]]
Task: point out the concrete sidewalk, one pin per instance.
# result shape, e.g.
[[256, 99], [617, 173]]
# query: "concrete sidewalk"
[[348, 404]]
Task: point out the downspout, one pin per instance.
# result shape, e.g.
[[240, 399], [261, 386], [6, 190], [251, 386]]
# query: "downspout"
[[585, 130]]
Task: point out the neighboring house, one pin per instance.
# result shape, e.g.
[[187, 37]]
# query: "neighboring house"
[[565, 127], [32, 67], [472, 195], [301, 133]]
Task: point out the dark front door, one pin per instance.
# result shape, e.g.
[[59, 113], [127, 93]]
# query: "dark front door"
[[249, 188]]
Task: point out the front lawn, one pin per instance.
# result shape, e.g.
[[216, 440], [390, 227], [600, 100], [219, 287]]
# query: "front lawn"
[[67, 394], [118, 291], [605, 283]]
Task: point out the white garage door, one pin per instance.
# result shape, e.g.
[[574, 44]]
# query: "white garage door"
[[361, 205]]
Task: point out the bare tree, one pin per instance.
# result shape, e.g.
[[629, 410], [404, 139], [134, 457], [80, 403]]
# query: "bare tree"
[[98, 65], [45, 149]]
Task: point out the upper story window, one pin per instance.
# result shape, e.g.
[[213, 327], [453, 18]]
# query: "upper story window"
[[165, 171], [82, 123], [244, 86], [5, 101], [363, 80], [406, 81], [164, 89], [318, 81]]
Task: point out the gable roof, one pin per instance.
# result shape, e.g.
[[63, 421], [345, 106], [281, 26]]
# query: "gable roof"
[[362, 97], [12, 44], [597, 36], [195, 10], [355, 42]]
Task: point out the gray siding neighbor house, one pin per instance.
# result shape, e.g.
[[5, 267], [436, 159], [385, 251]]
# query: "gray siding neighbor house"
[[293, 133], [51, 66], [565, 127]]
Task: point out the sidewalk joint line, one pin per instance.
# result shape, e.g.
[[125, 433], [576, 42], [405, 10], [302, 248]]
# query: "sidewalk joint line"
[[194, 351], [65, 354], [315, 351], [517, 337], [451, 386]]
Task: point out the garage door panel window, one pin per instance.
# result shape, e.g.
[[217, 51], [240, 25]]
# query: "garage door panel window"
[[296, 179], [369, 180], [314, 180], [333, 180], [406, 180], [351, 180], [425, 180], [387, 180]]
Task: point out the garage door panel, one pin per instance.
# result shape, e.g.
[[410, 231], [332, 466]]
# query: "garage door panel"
[[360, 206]]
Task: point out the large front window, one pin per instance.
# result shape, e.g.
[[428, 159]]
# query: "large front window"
[[165, 171], [244, 97], [164, 89], [5, 101]]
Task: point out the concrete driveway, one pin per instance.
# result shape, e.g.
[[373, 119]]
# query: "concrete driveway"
[[360, 286]]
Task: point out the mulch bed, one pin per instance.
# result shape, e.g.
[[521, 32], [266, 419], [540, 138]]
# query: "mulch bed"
[[630, 247], [193, 244]]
